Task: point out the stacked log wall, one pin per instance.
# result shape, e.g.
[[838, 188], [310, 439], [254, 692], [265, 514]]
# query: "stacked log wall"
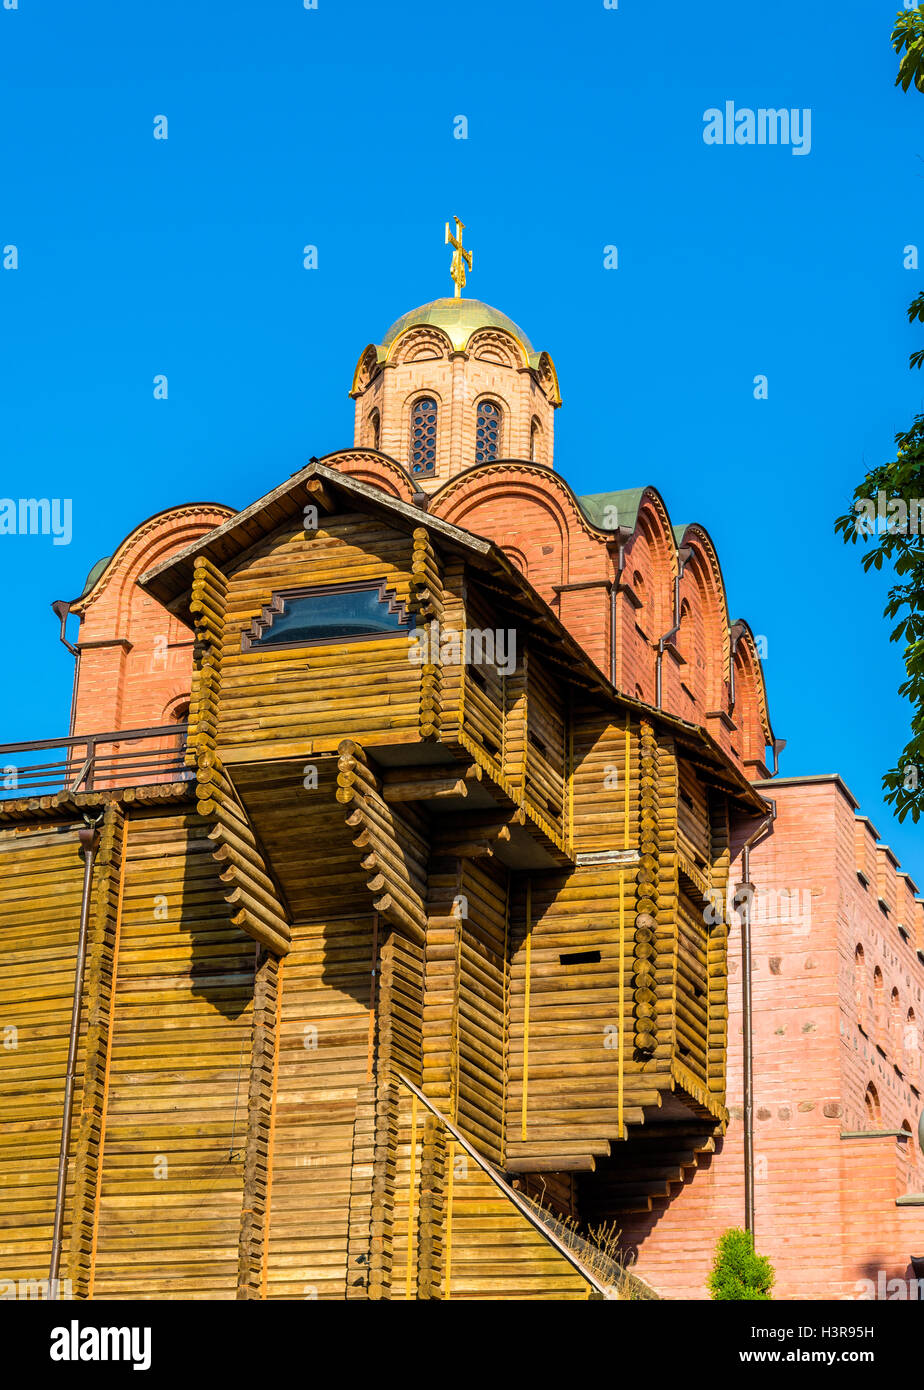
[[41, 879], [170, 1199], [367, 689]]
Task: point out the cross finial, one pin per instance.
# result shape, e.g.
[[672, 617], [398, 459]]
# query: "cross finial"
[[460, 257]]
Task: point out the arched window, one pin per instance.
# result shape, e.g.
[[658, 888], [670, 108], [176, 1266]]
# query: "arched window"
[[178, 712], [375, 430], [487, 432], [535, 440], [871, 1099], [880, 1020], [423, 435], [684, 639], [895, 1028], [859, 985], [911, 1045]]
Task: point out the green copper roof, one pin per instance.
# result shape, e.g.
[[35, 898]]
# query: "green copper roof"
[[459, 318], [610, 510], [92, 577]]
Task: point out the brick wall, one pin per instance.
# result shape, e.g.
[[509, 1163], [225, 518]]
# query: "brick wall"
[[135, 657], [826, 1211]]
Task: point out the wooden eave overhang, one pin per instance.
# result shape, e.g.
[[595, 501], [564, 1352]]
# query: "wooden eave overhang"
[[170, 583]]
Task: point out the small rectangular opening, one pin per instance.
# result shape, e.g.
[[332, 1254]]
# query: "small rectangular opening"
[[579, 958]]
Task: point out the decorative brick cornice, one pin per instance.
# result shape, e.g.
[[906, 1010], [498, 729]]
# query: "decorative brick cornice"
[[162, 522], [491, 476]]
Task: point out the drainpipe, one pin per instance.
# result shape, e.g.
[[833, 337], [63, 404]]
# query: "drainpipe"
[[683, 558], [61, 608], [622, 534], [744, 897], [88, 836]]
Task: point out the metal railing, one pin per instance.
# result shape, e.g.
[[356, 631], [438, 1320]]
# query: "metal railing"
[[156, 755], [526, 1208]]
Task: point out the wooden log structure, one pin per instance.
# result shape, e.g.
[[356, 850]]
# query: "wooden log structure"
[[422, 944]]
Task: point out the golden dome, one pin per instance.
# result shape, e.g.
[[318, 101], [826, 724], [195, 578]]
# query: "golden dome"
[[459, 319]]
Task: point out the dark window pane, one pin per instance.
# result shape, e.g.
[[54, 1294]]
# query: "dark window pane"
[[487, 432], [334, 616], [423, 436]]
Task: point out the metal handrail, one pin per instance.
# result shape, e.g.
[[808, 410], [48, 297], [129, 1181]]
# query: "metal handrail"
[[85, 762], [511, 1194], [77, 740]]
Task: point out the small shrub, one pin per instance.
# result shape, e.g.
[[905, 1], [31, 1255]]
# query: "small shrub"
[[738, 1271]]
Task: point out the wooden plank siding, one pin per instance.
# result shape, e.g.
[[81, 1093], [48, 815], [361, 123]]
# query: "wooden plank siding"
[[325, 1059], [41, 878], [293, 701], [170, 1199], [456, 1234]]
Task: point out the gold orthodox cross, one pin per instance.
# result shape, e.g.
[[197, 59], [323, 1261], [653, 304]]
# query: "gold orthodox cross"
[[460, 257]]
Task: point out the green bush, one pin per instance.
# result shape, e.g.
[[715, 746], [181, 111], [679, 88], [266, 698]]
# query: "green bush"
[[738, 1271]]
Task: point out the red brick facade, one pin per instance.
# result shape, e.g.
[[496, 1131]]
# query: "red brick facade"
[[830, 1167], [135, 658]]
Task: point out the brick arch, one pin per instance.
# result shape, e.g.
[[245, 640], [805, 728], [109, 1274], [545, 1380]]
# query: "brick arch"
[[493, 345], [751, 712], [134, 654], [703, 584], [180, 695], [154, 540], [746, 713], [649, 565], [548, 379], [376, 469], [692, 643], [518, 558], [494, 479], [652, 553], [420, 344], [520, 514], [367, 367]]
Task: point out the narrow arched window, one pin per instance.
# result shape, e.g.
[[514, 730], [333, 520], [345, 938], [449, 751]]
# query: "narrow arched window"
[[487, 433], [859, 985], [375, 430], [535, 440], [895, 1028], [423, 435], [911, 1044], [880, 1016], [871, 1102]]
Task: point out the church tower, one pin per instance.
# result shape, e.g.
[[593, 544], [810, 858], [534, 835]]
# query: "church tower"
[[453, 385]]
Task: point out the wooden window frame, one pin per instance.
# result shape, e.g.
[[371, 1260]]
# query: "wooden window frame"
[[264, 621]]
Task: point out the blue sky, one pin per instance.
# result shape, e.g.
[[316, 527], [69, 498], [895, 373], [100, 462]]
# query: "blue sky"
[[334, 127]]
